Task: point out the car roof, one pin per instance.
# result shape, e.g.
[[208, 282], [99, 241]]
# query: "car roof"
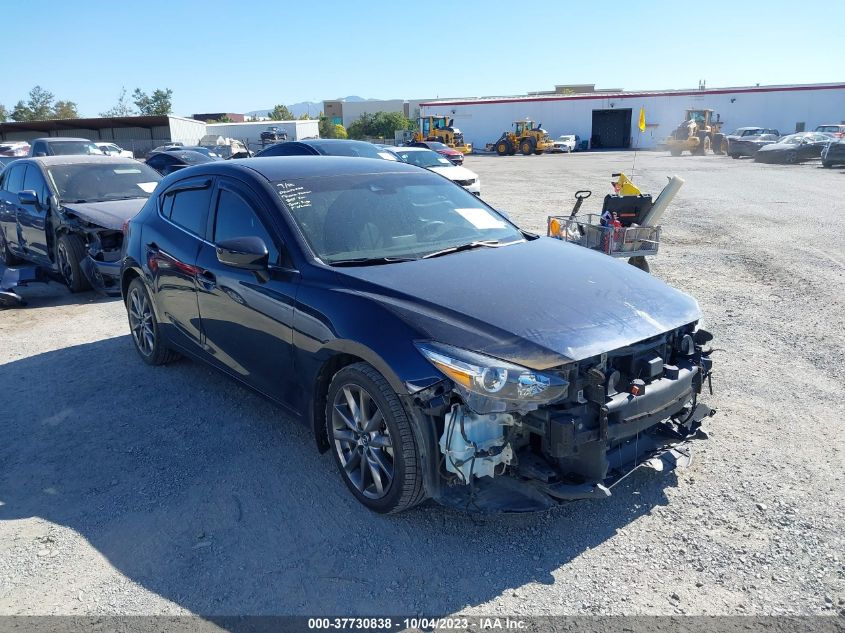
[[317, 142], [74, 159], [180, 153], [275, 168], [61, 138]]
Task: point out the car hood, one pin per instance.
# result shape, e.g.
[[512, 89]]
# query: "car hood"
[[109, 215], [778, 147], [540, 303], [455, 172]]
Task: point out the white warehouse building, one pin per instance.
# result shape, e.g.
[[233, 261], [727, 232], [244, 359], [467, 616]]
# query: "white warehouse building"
[[610, 119]]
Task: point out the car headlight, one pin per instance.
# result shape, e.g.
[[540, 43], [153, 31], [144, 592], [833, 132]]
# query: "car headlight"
[[493, 378]]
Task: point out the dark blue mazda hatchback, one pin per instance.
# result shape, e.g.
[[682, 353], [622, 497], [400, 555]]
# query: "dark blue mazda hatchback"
[[437, 350]]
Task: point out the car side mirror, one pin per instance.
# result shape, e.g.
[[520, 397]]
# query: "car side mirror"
[[28, 197], [247, 253]]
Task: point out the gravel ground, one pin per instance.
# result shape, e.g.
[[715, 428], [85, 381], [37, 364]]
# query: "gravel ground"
[[126, 489]]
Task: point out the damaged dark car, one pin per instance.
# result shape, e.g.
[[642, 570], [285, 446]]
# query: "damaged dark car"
[[65, 215], [436, 349]]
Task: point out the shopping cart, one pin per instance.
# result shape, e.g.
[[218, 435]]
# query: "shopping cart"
[[591, 231]]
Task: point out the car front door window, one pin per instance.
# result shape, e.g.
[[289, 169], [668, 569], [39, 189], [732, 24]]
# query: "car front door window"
[[235, 218]]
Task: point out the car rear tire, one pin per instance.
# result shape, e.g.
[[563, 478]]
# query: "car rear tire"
[[143, 325], [372, 440], [70, 251], [791, 158], [826, 164], [6, 257]]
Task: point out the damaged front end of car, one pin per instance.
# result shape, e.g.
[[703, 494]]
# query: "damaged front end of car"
[[501, 437], [101, 264], [102, 235]]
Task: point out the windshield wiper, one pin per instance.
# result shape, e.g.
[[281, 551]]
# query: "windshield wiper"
[[370, 261], [468, 246]]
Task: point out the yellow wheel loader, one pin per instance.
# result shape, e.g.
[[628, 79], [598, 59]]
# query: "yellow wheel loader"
[[525, 137], [442, 129], [698, 134]]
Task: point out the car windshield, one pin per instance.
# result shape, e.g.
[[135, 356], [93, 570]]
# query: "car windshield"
[[379, 218], [193, 157], [68, 148], [830, 128], [422, 158], [349, 148], [437, 146], [567, 137], [194, 148], [792, 139], [99, 183]]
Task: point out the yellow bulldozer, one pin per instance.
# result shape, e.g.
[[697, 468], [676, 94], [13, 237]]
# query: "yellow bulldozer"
[[525, 137], [442, 129], [698, 134]]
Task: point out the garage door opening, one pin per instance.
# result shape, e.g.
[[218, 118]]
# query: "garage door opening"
[[611, 129]]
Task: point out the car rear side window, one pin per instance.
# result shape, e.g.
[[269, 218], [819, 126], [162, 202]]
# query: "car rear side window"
[[188, 208], [236, 218], [14, 179]]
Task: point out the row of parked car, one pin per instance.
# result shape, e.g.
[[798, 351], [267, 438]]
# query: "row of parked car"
[[767, 145]]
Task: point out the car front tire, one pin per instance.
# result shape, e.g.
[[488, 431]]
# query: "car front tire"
[[143, 326], [70, 251], [372, 440]]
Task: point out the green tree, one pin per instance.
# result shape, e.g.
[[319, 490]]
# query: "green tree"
[[65, 110], [304, 117], [122, 108], [3, 114], [379, 125], [157, 103], [38, 107], [281, 113], [330, 130]]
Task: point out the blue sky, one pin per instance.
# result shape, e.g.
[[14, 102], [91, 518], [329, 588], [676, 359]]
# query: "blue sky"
[[239, 56]]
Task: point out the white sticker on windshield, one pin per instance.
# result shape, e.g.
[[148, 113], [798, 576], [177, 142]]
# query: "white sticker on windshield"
[[387, 155], [481, 218], [127, 170], [147, 187]]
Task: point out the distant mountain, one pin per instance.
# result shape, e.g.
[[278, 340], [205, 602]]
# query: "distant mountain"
[[312, 108]]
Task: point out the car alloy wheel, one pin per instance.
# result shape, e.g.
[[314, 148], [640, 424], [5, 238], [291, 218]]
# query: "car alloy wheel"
[[141, 321], [65, 266], [362, 441]]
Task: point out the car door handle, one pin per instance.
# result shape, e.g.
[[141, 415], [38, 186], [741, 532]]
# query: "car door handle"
[[207, 279]]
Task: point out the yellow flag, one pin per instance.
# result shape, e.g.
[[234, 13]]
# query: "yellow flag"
[[642, 119]]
